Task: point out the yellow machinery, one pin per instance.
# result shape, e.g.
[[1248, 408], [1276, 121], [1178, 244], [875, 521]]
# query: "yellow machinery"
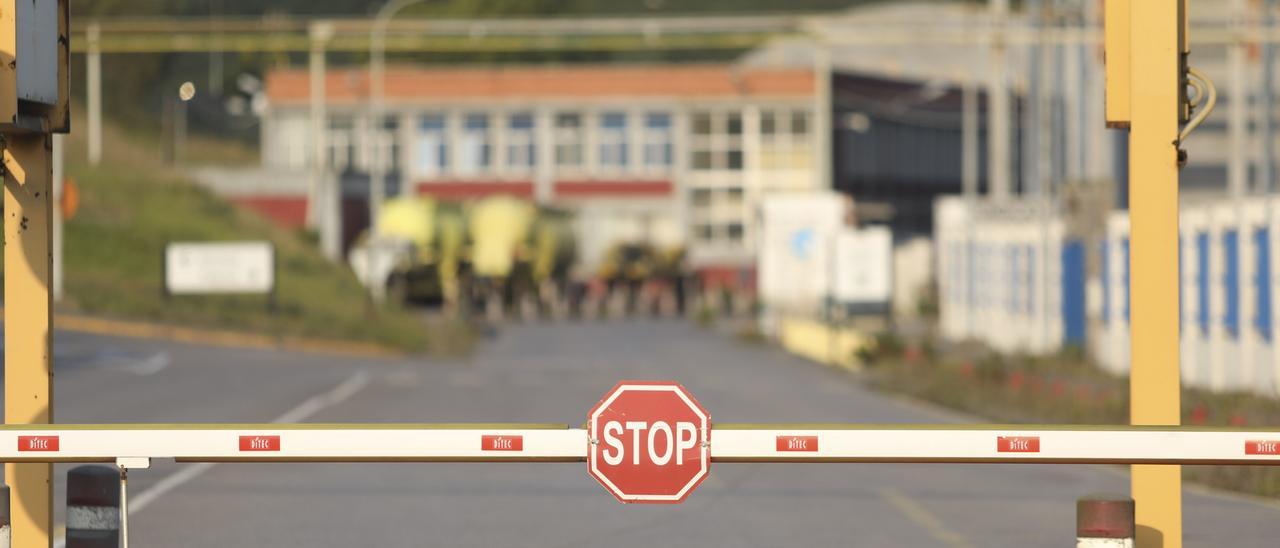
[[642, 267], [415, 252], [517, 251]]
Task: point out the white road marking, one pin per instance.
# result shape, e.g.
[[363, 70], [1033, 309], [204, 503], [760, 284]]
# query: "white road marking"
[[150, 366], [307, 408]]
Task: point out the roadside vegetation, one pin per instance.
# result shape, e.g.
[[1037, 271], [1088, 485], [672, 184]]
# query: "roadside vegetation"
[[132, 205], [1059, 389]]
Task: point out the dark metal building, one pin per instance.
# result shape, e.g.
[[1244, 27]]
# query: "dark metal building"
[[897, 147]]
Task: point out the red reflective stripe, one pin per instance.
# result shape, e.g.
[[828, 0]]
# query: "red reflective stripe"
[[797, 443], [1262, 447], [37, 443], [259, 443], [502, 443], [1018, 444]]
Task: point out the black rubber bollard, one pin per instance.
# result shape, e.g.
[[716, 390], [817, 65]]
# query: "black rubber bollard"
[[93, 507]]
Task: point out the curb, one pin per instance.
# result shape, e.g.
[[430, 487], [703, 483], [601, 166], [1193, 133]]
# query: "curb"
[[215, 337]]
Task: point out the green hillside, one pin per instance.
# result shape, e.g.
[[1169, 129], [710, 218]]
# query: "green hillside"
[[131, 206]]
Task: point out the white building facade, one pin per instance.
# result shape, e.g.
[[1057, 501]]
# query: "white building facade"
[[671, 155]]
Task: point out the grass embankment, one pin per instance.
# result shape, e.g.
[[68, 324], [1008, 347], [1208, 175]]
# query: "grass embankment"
[[131, 206], [1061, 389]]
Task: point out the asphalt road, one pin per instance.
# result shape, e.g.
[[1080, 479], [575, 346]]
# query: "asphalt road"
[[554, 373]]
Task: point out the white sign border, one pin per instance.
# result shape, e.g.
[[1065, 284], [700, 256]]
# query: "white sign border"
[[659, 386]]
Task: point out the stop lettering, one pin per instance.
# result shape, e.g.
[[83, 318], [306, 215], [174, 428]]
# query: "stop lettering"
[[649, 442]]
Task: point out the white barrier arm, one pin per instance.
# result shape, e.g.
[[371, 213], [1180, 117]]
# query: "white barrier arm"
[[994, 444], [559, 443], [294, 443]]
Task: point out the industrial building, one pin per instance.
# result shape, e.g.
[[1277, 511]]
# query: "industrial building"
[[676, 155]]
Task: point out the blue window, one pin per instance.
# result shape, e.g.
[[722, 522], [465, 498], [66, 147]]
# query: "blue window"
[[1262, 282], [1106, 282], [1015, 292], [432, 146], [971, 263], [1231, 282], [1124, 277], [475, 143], [613, 140], [1202, 281], [657, 139], [520, 141], [1073, 292], [1031, 281]]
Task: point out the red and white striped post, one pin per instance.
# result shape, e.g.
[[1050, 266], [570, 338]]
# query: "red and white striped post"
[[93, 507], [1104, 521]]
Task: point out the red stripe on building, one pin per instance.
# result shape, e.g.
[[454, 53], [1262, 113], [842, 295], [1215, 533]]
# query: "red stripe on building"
[[475, 189], [613, 188], [285, 211]]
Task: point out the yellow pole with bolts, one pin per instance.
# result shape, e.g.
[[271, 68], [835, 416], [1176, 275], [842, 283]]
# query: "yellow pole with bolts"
[[28, 322], [29, 116], [1154, 107]]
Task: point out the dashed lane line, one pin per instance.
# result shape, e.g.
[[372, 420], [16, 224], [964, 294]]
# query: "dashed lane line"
[[307, 408], [922, 517]]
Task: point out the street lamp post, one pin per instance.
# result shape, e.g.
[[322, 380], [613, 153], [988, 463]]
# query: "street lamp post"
[[374, 128]]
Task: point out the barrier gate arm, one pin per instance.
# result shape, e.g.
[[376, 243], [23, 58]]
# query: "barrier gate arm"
[[560, 443]]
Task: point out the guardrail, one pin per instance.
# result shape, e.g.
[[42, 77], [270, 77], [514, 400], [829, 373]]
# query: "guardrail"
[[559, 443]]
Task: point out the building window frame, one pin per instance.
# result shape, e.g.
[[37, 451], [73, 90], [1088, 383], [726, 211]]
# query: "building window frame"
[[476, 143], [569, 134], [658, 140], [521, 142], [613, 141], [431, 144], [717, 140]]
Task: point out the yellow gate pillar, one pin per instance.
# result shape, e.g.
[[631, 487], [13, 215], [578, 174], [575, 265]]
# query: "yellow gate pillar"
[[1154, 108], [28, 374], [33, 105]]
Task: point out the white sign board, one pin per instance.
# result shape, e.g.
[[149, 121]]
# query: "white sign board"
[[795, 247], [219, 267], [864, 266]]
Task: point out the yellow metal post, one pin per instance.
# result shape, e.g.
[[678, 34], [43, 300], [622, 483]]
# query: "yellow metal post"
[[8, 62], [1155, 106], [26, 160], [28, 372], [1116, 57]]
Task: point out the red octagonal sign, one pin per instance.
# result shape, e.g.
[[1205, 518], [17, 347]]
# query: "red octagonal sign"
[[649, 442]]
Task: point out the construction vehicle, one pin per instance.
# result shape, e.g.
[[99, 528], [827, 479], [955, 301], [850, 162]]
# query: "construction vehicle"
[[640, 276], [415, 252], [520, 256]]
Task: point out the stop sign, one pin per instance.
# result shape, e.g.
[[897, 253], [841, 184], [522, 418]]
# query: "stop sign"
[[649, 442]]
